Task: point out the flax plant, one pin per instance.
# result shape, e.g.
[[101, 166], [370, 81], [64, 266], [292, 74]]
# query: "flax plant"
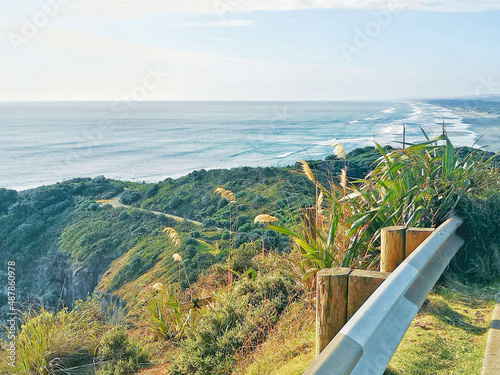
[[320, 234], [420, 186], [163, 315]]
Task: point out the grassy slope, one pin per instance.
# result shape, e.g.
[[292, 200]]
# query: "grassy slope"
[[124, 235], [448, 336], [289, 349]]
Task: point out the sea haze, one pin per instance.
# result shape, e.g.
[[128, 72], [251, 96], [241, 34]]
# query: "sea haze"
[[46, 142]]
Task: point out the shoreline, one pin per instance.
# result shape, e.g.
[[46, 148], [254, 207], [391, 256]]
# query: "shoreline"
[[464, 128], [488, 130]]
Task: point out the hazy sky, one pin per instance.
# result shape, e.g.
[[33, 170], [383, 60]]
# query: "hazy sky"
[[248, 49]]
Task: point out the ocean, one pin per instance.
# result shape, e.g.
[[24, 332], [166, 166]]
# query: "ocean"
[[42, 143]]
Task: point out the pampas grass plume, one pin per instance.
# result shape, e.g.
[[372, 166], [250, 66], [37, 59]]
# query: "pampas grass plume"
[[306, 171], [264, 218]]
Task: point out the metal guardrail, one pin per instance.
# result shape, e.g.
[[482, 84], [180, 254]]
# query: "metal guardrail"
[[491, 360], [369, 339]]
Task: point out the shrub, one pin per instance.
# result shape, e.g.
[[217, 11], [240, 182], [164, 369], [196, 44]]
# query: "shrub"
[[234, 324], [130, 196], [191, 241], [151, 192], [56, 340], [7, 198], [479, 258], [246, 227], [242, 220], [121, 355], [195, 234], [272, 241], [209, 222], [242, 257]]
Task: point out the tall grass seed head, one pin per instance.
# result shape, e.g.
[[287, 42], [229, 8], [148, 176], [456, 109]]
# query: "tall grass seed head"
[[264, 218]]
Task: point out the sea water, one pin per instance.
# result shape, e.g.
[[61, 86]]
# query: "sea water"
[[45, 142]]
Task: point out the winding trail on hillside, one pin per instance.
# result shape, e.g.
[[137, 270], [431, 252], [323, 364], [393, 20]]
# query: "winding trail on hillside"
[[115, 202]]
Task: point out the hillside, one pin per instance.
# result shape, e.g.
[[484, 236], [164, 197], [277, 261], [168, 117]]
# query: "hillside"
[[134, 267], [68, 241]]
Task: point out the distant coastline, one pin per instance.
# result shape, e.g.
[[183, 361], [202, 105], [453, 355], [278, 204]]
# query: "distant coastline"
[[44, 143]]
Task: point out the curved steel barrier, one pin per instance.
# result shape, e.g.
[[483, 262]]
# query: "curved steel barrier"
[[368, 340]]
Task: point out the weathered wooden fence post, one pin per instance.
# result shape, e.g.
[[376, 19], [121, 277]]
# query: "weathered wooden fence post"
[[361, 286], [414, 237], [331, 304], [341, 291], [392, 247]]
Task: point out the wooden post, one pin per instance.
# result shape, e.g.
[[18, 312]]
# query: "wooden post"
[[361, 286], [392, 248], [331, 304], [414, 237]]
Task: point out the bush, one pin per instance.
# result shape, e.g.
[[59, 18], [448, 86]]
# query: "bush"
[[7, 198], [195, 234], [122, 355], [242, 220], [235, 324], [197, 264], [55, 340], [246, 227], [191, 241], [242, 258], [151, 192], [272, 241], [130, 197], [209, 222], [479, 258]]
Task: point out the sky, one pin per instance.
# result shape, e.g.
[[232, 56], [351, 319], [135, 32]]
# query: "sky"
[[133, 50]]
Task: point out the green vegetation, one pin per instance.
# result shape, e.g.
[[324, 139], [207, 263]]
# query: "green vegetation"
[[420, 186], [142, 267], [449, 333], [119, 354], [236, 323], [51, 342]]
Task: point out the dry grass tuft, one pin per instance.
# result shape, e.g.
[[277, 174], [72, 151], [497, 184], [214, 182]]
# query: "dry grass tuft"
[[306, 171], [265, 218], [225, 194], [338, 150], [173, 235], [343, 179]]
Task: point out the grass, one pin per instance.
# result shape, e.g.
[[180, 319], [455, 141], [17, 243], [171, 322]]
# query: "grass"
[[448, 335], [264, 324], [290, 347]]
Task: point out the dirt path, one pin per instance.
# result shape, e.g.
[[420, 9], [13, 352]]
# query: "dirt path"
[[115, 202]]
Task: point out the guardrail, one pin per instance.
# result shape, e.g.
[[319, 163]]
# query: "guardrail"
[[491, 360], [368, 340]]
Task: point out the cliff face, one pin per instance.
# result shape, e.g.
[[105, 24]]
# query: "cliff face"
[[53, 281], [31, 225], [59, 282]]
